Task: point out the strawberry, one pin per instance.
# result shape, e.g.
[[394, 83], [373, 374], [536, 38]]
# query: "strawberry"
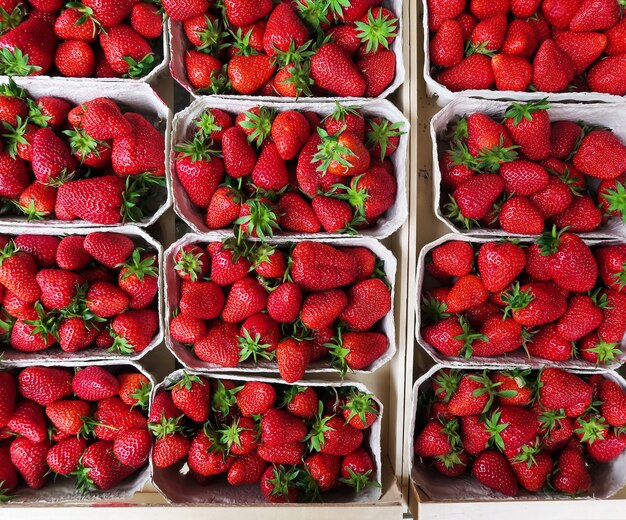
[[134, 389], [582, 216], [50, 156], [361, 313], [205, 456], [220, 345], [559, 13], [378, 70], [28, 49], [255, 398], [321, 309], [360, 410], [564, 390], [45, 385], [358, 470], [511, 72], [535, 303], [259, 336], [180, 11], [474, 396], [292, 357], [162, 407], [8, 393], [499, 264], [532, 469], [455, 257], [613, 398], [524, 178], [553, 69], [58, 287], [571, 475], [357, 350], [245, 298], [248, 74], [100, 468], [192, 396], [572, 264], [169, 449], [147, 20], [126, 51], [143, 151], [134, 330], [342, 154], [227, 266], [94, 383], [106, 300], [451, 336], [203, 70], [331, 62], [64, 457], [110, 249], [191, 262], [68, 415], [482, 9], [473, 199], [29, 458], [613, 155], [582, 317], [318, 267], [330, 435], [28, 420], [324, 469], [595, 350], [301, 401], [75, 59], [246, 469], [132, 447], [242, 13], [284, 302], [439, 11], [199, 172], [497, 336], [17, 273], [613, 323], [513, 427], [595, 16], [139, 279], [467, 292], [472, 73], [489, 33], [278, 486], [270, 170], [493, 470], [284, 28], [529, 126], [114, 417], [582, 47], [13, 176], [195, 295], [516, 381]]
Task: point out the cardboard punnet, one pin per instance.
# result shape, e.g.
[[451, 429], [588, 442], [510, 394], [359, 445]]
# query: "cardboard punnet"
[[63, 490], [179, 44], [162, 49], [177, 485], [134, 96], [55, 354], [513, 359], [182, 130], [186, 356], [444, 95], [607, 478], [609, 115]]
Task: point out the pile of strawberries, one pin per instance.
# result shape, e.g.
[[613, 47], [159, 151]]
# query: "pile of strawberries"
[[525, 45], [240, 302], [556, 298], [541, 431], [89, 423], [240, 170], [88, 161], [290, 49], [75, 292], [91, 38], [296, 442], [526, 173]]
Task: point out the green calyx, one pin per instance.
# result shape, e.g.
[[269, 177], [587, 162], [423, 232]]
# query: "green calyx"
[[190, 263], [381, 133], [46, 325], [338, 353], [137, 69], [219, 83], [207, 124], [516, 299], [460, 155], [300, 78], [250, 347], [293, 54], [527, 455], [468, 337], [340, 113], [490, 388], [447, 382], [616, 199], [315, 437], [360, 481], [139, 267], [330, 150], [519, 111], [242, 43], [453, 212], [314, 13], [142, 396], [495, 429], [5, 495], [165, 426], [11, 20], [359, 404], [197, 149], [478, 48], [491, 160], [15, 135], [138, 193], [229, 435], [282, 480], [549, 241], [213, 37], [260, 125], [83, 144], [15, 63], [606, 351], [377, 30], [262, 220], [223, 399], [187, 381], [592, 428]]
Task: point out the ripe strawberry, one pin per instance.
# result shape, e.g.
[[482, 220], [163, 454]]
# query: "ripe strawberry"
[[368, 302], [29, 458], [204, 71], [290, 130], [561, 389], [169, 449], [612, 150], [514, 428], [71, 254], [205, 456], [472, 73], [192, 397], [559, 13], [358, 470], [301, 401], [595, 16], [132, 447], [64, 457], [357, 350], [245, 298], [8, 393], [554, 199], [324, 469], [17, 273], [439, 11], [134, 389], [360, 410], [99, 200], [147, 20], [466, 292], [277, 485], [474, 198], [202, 300], [583, 48], [45, 385], [482, 9], [451, 336], [331, 62], [332, 436], [94, 383], [100, 468], [499, 264], [447, 45], [455, 257], [259, 336], [134, 330], [13, 176], [68, 415], [255, 398], [142, 151], [29, 48], [613, 323], [489, 33], [126, 51], [535, 303], [595, 350], [75, 59], [106, 300], [318, 267], [247, 469], [571, 475], [613, 398], [473, 396], [493, 470], [284, 28], [114, 417], [321, 309], [284, 302], [220, 345], [292, 357], [162, 407], [139, 279], [529, 126], [186, 329], [564, 136], [532, 469], [497, 336], [378, 70], [58, 287], [582, 317], [28, 420], [516, 381], [582, 216], [248, 74], [553, 69]]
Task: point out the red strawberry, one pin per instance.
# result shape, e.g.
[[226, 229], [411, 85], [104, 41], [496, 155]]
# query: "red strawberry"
[[502, 336], [17, 273], [132, 447], [247, 469], [613, 323], [472, 73], [493, 470], [582, 317], [595, 16], [29, 458], [134, 389], [564, 390], [147, 20], [499, 264], [169, 449], [284, 28], [533, 470], [489, 33], [134, 330], [100, 468], [180, 11], [559, 13], [553, 69], [318, 267], [220, 345], [378, 70], [242, 13], [126, 51], [192, 397], [439, 11], [582, 47], [529, 126], [64, 457], [321, 309], [292, 357], [28, 420], [447, 45], [94, 383], [571, 475], [290, 130], [249, 73], [45, 385], [474, 198], [331, 62], [603, 146], [358, 470], [277, 485], [110, 249], [301, 401], [29, 48], [482, 9], [511, 72], [68, 415], [582, 216], [8, 393], [472, 396], [98, 200], [143, 151], [139, 279]]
